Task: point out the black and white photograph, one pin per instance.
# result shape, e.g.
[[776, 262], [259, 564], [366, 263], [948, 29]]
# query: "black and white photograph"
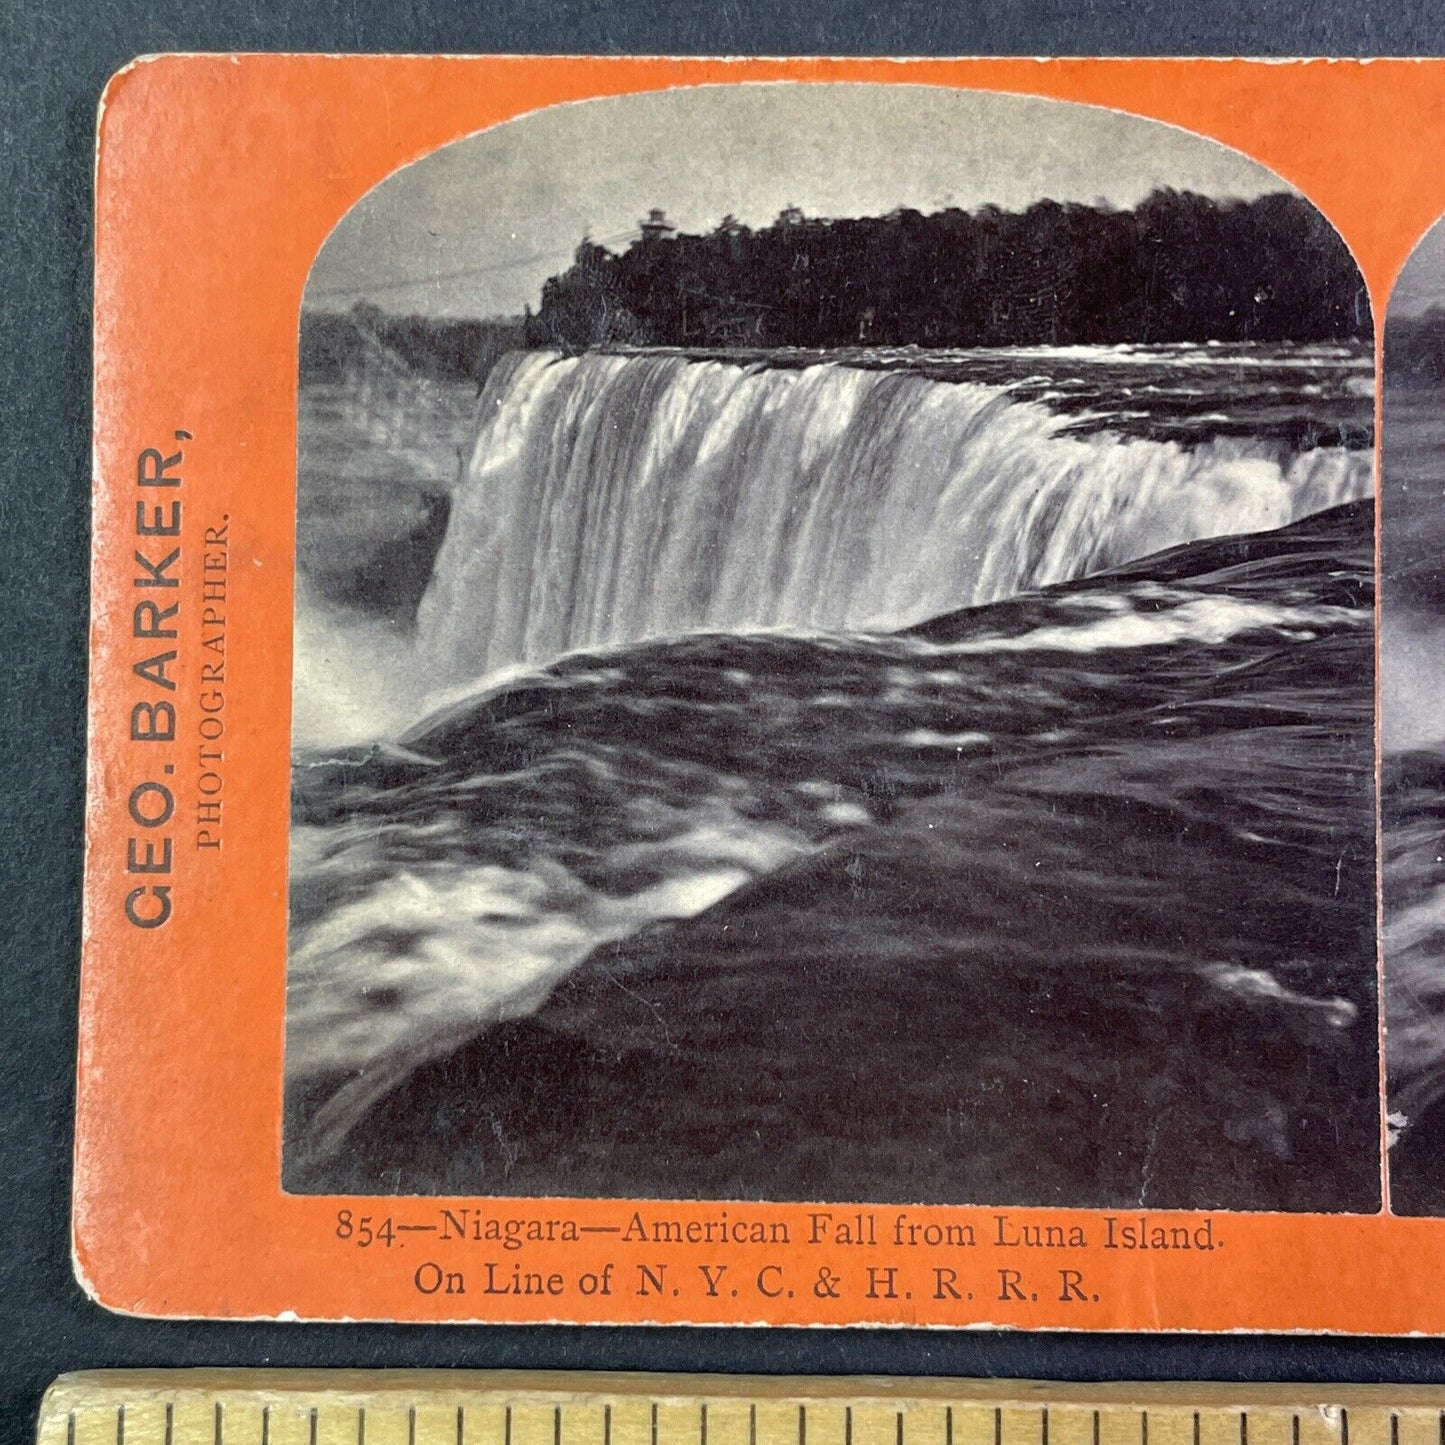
[[1412, 726], [834, 660]]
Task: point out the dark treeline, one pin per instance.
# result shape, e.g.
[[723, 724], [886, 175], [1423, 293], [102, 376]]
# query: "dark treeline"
[[1415, 349], [334, 345], [1178, 267]]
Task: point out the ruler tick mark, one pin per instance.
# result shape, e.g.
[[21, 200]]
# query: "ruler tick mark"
[[702, 1424], [170, 1422], [1294, 1431], [1243, 1428], [1143, 1427], [654, 1425], [313, 1425], [900, 1427], [1344, 1426], [70, 1426], [607, 1425], [462, 1423], [120, 1426], [802, 1425], [948, 1426], [1196, 1428], [1394, 1429], [556, 1425], [219, 1427], [265, 1425], [361, 1425], [998, 1427], [1044, 1426], [410, 1425], [753, 1426], [1096, 1429]]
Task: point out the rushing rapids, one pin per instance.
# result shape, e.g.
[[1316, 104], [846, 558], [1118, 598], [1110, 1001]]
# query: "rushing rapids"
[[1412, 794], [927, 779], [613, 498]]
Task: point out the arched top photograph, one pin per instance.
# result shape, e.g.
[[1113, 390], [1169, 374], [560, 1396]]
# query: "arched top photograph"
[[786, 565], [1412, 722]]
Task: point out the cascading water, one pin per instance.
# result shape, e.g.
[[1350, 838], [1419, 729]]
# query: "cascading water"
[[612, 498]]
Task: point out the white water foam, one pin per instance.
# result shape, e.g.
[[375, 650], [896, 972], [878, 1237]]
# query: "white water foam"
[[417, 960], [355, 678], [1208, 621]]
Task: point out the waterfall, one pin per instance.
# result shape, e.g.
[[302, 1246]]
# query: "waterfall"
[[610, 498]]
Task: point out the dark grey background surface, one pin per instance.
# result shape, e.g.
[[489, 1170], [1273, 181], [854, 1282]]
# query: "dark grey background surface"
[[54, 60]]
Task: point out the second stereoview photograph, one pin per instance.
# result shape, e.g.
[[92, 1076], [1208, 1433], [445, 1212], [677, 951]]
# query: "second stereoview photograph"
[[834, 660], [1412, 726]]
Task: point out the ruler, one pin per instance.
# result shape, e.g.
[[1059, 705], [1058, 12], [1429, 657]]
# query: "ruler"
[[420, 1407]]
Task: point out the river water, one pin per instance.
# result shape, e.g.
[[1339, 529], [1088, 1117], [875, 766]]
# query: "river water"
[[890, 776]]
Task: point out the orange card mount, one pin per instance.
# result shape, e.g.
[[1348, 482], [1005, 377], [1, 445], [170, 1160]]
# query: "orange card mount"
[[745, 691]]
